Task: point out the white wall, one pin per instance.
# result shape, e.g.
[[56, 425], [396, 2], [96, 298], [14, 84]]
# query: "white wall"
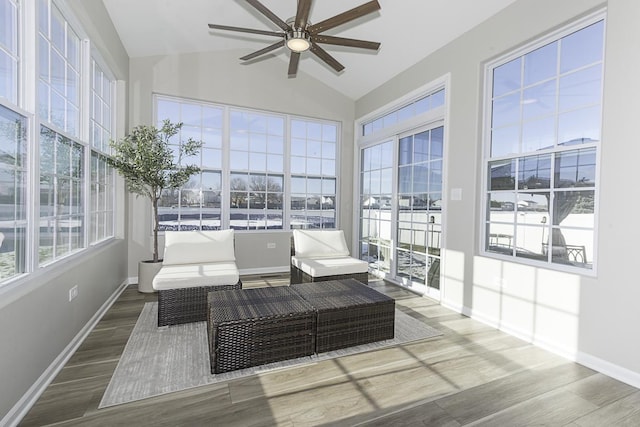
[[591, 319], [222, 78]]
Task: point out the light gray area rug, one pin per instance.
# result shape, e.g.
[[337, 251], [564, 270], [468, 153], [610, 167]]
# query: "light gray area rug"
[[156, 360]]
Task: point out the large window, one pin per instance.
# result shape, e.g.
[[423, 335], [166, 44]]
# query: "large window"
[[56, 191], [541, 168], [13, 203], [256, 184], [246, 177], [101, 215], [61, 195], [59, 70], [197, 205], [313, 169]]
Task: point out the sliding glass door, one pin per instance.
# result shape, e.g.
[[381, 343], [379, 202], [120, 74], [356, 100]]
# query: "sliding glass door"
[[401, 208], [376, 189], [419, 210]]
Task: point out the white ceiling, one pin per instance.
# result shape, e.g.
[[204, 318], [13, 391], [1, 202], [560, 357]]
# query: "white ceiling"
[[409, 30]]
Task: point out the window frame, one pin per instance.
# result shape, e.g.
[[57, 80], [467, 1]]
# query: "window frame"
[[553, 152], [26, 105], [226, 170]]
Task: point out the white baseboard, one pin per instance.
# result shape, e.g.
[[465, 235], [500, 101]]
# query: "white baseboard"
[[264, 270], [20, 409], [607, 368]]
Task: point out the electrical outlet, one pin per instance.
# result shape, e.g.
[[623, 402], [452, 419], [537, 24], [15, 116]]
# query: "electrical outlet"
[[271, 245], [73, 293]]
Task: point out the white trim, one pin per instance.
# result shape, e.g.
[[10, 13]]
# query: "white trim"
[[20, 409], [612, 370]]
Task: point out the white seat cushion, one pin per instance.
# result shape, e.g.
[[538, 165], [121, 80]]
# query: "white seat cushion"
[[320, 267], [193, 275], [320, 243], [198, 247]]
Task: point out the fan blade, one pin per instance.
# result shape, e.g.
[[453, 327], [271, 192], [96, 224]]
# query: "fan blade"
[[341, 41], [272, 16], [349, 15], [293, 63], [263, 50], [322, 54], [245, 30], [302, 15]]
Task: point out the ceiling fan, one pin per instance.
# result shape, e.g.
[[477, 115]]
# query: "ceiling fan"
[[299, 34]]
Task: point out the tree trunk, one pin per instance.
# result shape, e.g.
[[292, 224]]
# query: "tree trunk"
[[155, 229]]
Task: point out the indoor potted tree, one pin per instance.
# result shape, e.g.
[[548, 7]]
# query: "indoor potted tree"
[[149, 165]]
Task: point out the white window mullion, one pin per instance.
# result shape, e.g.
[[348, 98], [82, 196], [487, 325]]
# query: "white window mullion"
[[84, 128]]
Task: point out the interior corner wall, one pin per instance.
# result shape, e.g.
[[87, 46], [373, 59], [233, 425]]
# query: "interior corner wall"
[[221, 78], [589, 318]]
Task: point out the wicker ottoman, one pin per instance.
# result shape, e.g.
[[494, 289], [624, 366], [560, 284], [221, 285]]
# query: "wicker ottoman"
[[251, 327], [349, 313]]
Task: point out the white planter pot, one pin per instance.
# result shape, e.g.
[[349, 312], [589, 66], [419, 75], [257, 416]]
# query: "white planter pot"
[[147, 270]]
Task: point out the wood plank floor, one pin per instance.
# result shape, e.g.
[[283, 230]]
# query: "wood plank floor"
[[472, 375]]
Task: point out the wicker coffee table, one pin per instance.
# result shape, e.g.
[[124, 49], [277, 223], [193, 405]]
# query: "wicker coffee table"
[[251, 327], [349, 313]]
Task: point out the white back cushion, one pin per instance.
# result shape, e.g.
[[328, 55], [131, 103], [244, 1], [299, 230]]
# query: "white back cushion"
[[320, 243], [198, 247]]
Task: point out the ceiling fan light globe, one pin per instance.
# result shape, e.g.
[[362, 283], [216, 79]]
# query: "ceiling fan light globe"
[[298, 41], [298, 44]]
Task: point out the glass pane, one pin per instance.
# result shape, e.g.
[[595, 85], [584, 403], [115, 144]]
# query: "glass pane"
[[298, 147], [314, 166], [506, 110], [534, 172], [437, 99], [437, 140], [405, 156], [505, 141], [539, 134], [574, 209], [502, 174], [581, 88], [404, 179], [421, 147], [582, 47], [507, 77], [167, 109], [298, 129], [530, 242], [275, 145], [275, 163], [239, 160], [500, 238], [502, 206], [386, 155], [539, 100], [575, 169], [540, 64], [572, 247]]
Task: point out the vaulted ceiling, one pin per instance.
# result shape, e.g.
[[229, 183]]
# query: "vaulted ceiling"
[[408, 30]]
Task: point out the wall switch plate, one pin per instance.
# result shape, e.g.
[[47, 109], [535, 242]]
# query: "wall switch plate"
[[73, 293], [271, 245]]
